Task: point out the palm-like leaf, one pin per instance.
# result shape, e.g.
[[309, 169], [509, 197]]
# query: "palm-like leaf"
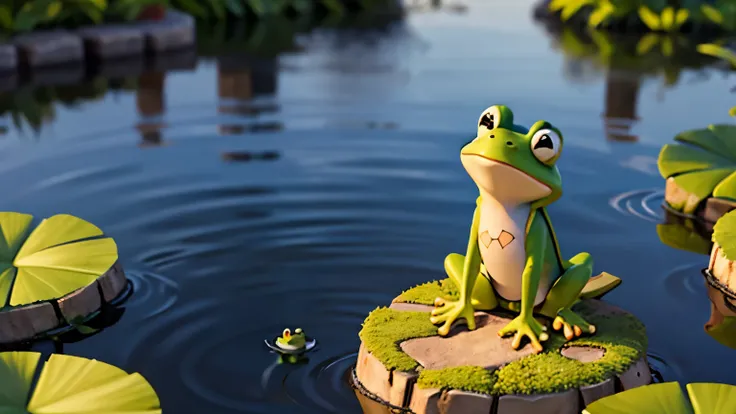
[[71, 385], [63, 254], [668, 398], [703, 167]]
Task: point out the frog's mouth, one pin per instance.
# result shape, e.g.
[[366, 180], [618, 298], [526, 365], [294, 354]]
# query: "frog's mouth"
[[503, 181]]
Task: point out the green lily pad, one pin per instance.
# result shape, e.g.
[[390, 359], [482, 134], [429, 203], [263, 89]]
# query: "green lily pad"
[[63, 254], [724, 233], [71, 385], [668, 398], [702, 164], [725, 332]]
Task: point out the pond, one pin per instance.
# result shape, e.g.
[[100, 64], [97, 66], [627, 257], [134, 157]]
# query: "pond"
[[252, 193]]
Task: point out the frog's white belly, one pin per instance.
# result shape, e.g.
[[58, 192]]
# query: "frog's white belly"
[[501, 239]]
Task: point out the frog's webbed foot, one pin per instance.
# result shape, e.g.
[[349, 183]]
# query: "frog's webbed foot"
[[571, 324]]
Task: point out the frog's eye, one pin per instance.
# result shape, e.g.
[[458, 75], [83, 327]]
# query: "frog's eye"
[[489, 119], [298, 331], [287, 333], [545, 145]]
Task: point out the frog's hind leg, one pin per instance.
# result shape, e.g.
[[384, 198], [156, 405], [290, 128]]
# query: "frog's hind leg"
[[483, 296], [564, 293]]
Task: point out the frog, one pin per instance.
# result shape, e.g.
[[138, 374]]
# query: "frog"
[[292, 342], [513, 259]]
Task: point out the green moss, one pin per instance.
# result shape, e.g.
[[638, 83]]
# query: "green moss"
[[467, 378], [724, 233], [623, 337], [385, 329], [426, 293]]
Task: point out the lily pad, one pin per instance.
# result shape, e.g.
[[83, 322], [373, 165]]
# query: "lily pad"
[[684, 234], [668, 398], [701, 165], [62, 254], [724, 233], [71, 385]]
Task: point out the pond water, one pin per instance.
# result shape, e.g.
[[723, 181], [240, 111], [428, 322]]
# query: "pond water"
[[339, 185]]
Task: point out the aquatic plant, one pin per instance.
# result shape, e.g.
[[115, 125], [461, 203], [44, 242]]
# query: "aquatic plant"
[[723, 53], [62, 254], [701, 165], [668, 398], [71, 385], [651, 15], [35, 105]]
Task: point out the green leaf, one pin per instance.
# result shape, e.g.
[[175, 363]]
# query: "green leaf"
[[56, 230], [333, 6], [649, 18], [667, 18], [707, 140], [14, 228], [726, 188], [724, 233], [676, 159], [57, 258], [17, 370], [570, 9], [556, 5], [718, 51], [712, 13], [732, 111], [600, 15], [646, 43], [663, 398], [72, 385], [681, 17], [712, 398], [53, 10], [219, 9], [727, 134], [699, 185]]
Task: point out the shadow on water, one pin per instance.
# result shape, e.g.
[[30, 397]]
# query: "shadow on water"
[[294, 175]]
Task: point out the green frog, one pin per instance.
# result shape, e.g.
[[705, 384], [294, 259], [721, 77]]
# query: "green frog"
[[292, 342], [513, 259]]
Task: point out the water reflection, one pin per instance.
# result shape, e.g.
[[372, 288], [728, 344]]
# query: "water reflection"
[[626, 61], [685, 233], [722, 323]]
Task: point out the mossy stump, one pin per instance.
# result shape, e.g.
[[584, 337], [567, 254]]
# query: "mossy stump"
[[404, 363], [22, 323]]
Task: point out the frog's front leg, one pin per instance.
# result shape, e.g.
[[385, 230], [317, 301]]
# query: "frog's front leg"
[[483, 296], [564, 293]]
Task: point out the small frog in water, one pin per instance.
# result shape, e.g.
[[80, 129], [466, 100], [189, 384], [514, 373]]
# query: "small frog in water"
[[513, 259], [292, 342]]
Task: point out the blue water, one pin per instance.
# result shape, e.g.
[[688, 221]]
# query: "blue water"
[[353, 193]]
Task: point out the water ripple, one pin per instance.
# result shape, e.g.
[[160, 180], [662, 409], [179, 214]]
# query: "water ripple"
[[153, 293], [644, 204], [685, 281]]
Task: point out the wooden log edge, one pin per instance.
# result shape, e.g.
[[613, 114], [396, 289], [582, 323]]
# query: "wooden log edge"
[[722, 271], [709, 210], [399, 389], [24, 323]]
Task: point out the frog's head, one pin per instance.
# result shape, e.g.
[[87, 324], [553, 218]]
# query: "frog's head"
[[296, 339], [511, 163]]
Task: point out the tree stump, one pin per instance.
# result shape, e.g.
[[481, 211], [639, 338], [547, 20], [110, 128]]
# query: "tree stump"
[[403, 363]]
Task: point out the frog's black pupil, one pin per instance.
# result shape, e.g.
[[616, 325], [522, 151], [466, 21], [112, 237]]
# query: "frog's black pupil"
[[544, 142], [487, 121]]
